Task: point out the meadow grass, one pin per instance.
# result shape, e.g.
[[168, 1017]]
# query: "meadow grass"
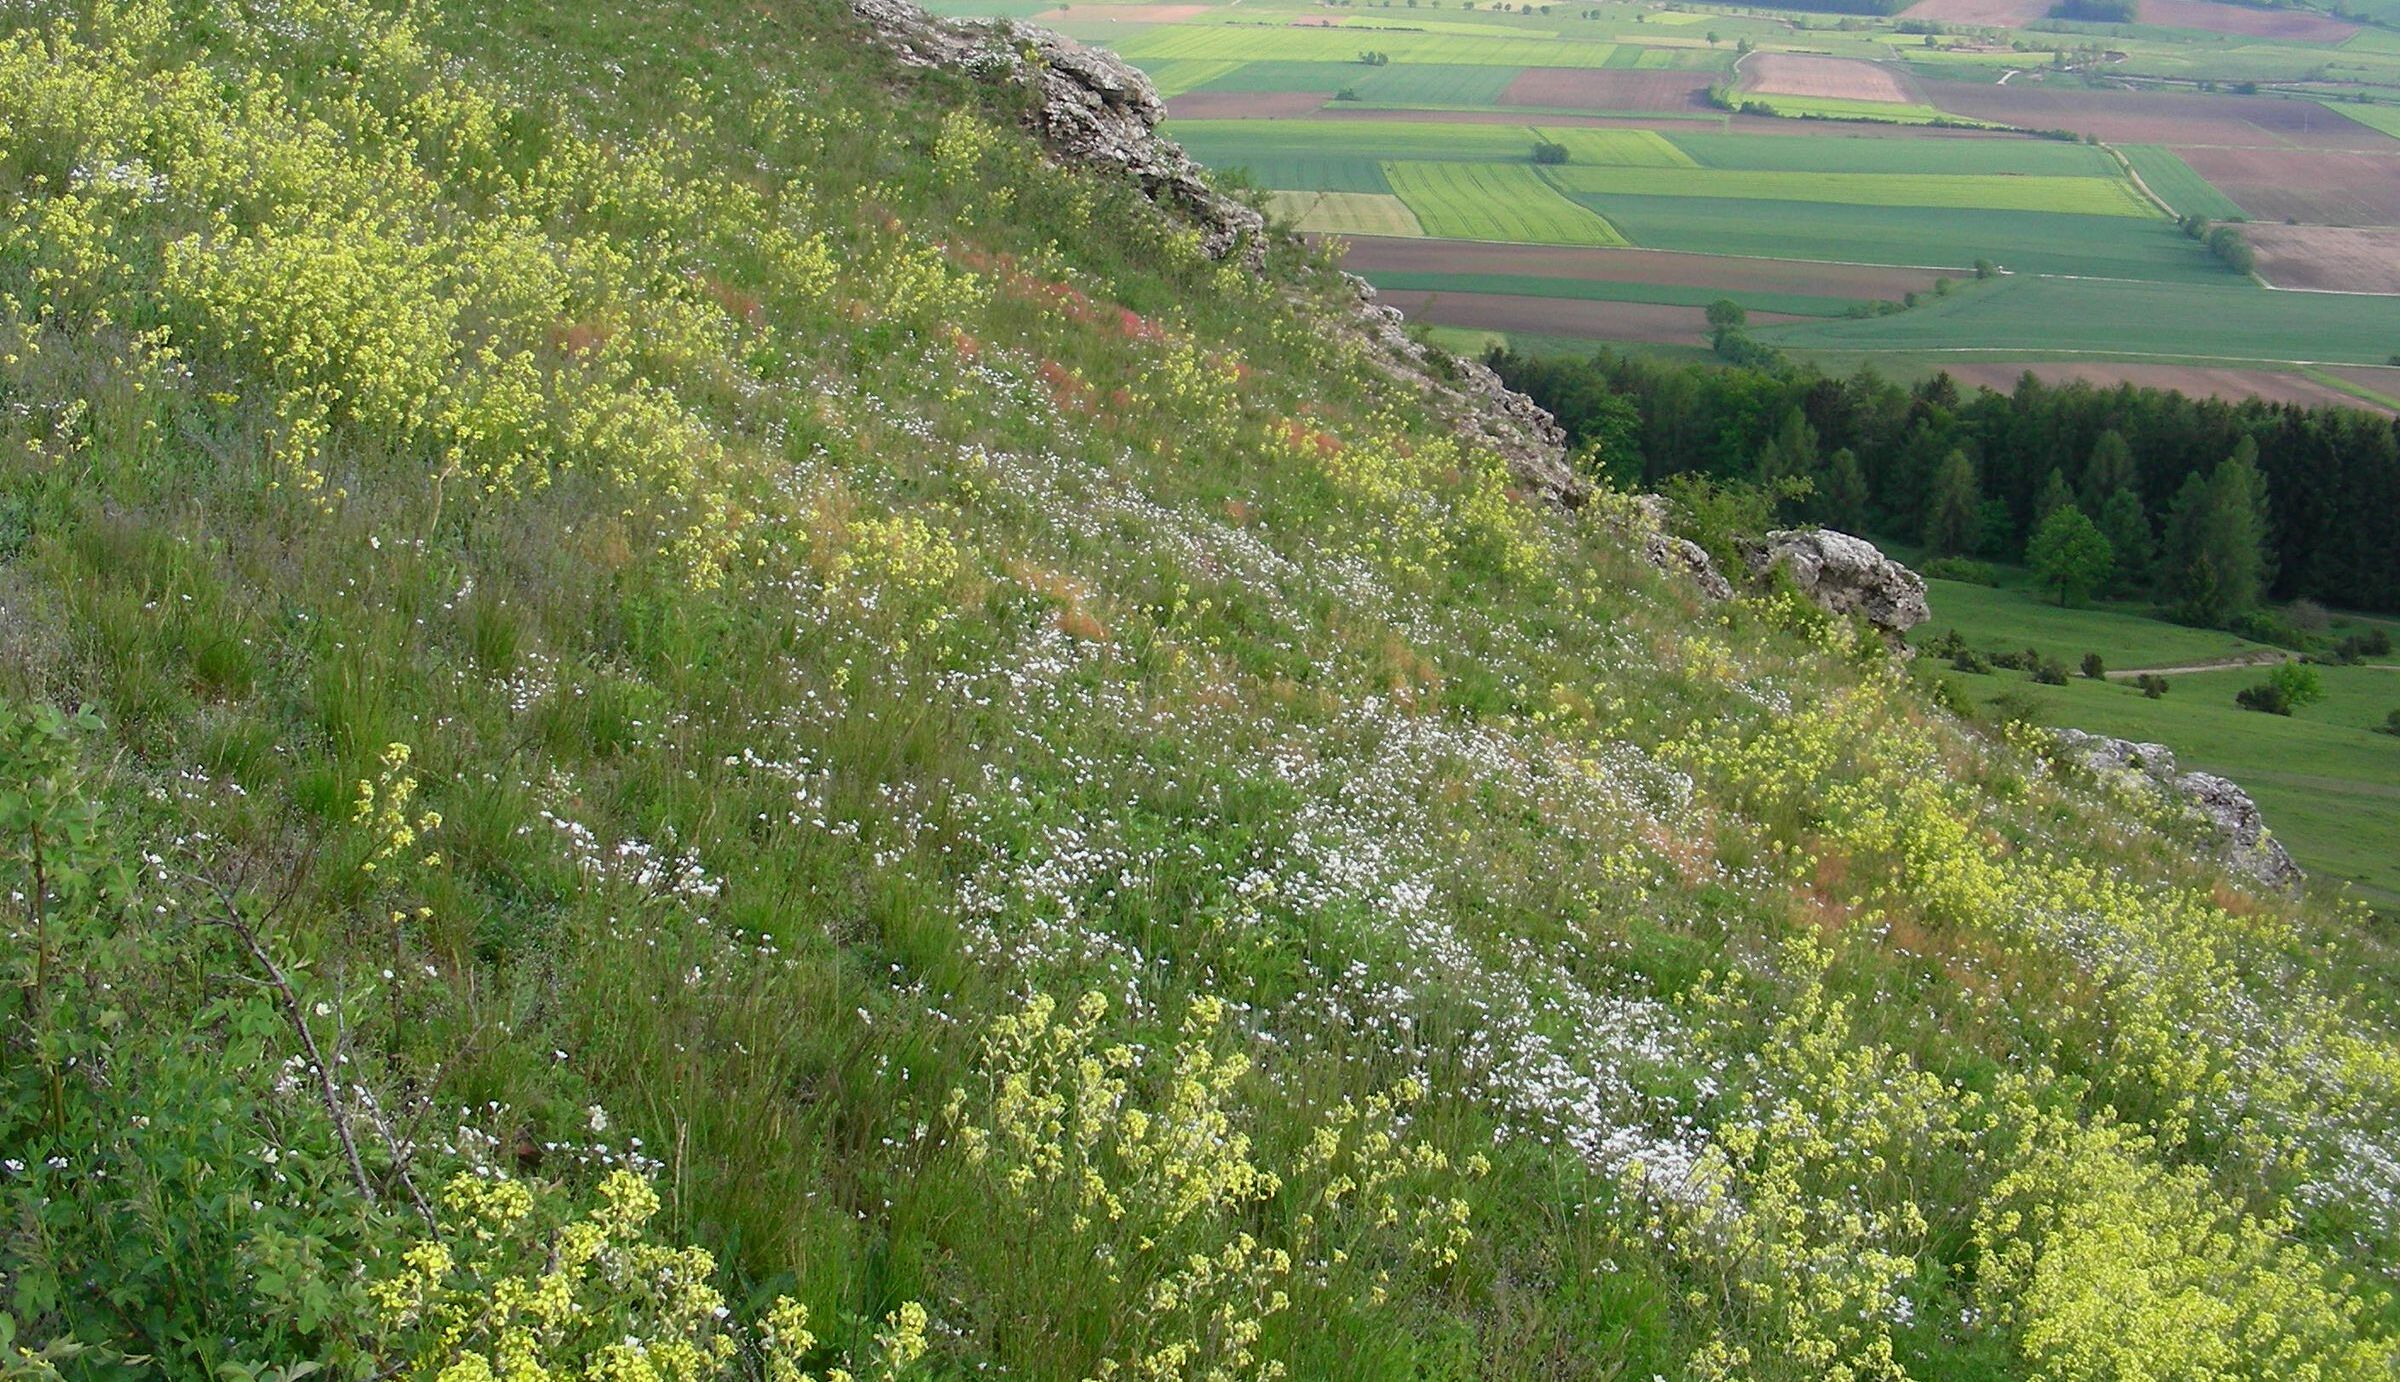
[[733, 709], [1494, 201], [2014, 618]]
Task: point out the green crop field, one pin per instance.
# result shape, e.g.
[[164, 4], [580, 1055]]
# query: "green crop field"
[[1618, 148], [1223, 43], [1346, 213], [1833, 108], [1956, 191], [1245, 143], [1834, 152], [2027, 242], [1301, 173], [2230, 320], [2173, 179], [1396, 83], [1175, 77], [1495, 201], [1608, 290]]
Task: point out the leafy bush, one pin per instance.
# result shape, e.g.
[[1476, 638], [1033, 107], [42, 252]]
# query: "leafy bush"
[[1547, 151], [2289, 686], [2050, 672], [2152, 685], [2093, 667]]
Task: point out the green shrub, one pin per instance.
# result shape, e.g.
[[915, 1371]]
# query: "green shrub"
[[1965, 569]]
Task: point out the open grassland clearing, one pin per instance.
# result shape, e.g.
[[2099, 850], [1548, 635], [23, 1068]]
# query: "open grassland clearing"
[[2293, 24], [2231, 320], [2342, 259], [1835, 79], [2312, 186], [1576, 319], [1495, 201], [2175, 183], [1570, 88], [2015, 616], [1766, 276], [1346, 213], [1221, 43], [2179, 119], [1829, 150], [2080, 196], [2327, 783], [1929, 237], [2199, 381]]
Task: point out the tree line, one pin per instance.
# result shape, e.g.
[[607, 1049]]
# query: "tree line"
[[2212, 506]]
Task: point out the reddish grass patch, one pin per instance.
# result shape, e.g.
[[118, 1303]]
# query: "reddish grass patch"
[[1587, 89], [2320, 187], [2244, 21], [1838, 79]]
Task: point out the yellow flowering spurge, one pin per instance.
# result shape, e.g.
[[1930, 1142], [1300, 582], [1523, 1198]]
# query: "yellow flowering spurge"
[[384, 808], [518, 1284], [1806, 1223], [2109, 1264], [1144, 1158]]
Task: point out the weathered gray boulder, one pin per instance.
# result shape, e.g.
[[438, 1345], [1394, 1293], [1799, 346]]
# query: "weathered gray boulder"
[[2241, 833], [1089, 107], [1677, 556], [1482, 410], [1846, 575]]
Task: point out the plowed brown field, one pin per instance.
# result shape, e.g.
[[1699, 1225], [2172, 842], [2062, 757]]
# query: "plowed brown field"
[[1243, 105], [2158, 117], [2006, 14], [1590, 89], [2314, 186], [2244, 21], [2340, 259], [2271, 385], [1840, 79]]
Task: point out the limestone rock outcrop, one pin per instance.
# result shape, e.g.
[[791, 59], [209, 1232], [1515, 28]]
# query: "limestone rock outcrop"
[[1846, 575], [2241, 832], [1089, 107]]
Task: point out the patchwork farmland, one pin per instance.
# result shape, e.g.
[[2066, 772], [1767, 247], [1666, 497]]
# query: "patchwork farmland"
[[1971, 183]]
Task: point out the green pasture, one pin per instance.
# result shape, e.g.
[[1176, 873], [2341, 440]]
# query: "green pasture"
[[1245, 143], [2326, 781], [2081, 196], [1495, 201], [1288, 173], [2233, 319], [1223, 43], [2173, 179], [1610, 290], [2023, 241], [1838, 152], [2015, 617]]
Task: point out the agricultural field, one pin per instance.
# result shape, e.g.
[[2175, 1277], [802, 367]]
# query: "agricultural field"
[[2040, 166]]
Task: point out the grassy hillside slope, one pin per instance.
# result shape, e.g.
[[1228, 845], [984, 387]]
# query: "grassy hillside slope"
[[734, 727]]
